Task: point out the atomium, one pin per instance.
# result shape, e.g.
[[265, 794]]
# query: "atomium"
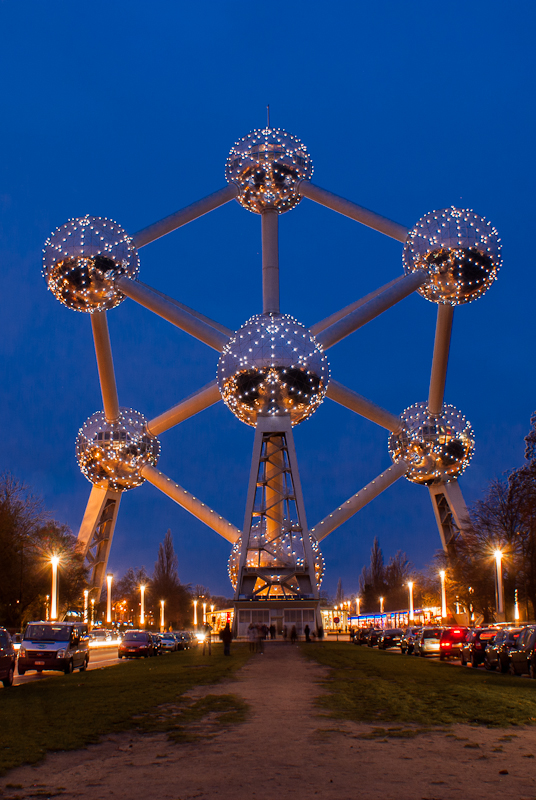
[[437, 448], [273, 365], [82, 259], [273, 372], [270, 554], [112, 454], [267, 166], [461, 252]]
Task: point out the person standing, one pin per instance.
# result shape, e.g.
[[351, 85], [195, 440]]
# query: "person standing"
[[293, 635], [307, 631], [227, 637]]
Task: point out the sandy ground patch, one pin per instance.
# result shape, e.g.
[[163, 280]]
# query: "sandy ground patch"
[[286, 750]]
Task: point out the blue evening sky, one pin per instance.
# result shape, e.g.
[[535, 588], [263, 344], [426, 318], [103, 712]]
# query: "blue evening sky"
[[128, 109]]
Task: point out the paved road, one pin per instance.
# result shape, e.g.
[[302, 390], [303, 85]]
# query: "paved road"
[[99, 658]]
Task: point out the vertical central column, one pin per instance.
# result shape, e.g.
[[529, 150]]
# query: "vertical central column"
[[270, 261], [274, 487]]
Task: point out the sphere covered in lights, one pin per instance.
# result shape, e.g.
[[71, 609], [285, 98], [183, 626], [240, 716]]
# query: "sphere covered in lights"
[[112, 454], [437, 448], [266, 166], [273, 365], [81, 260], [460, 250], [275, 556]]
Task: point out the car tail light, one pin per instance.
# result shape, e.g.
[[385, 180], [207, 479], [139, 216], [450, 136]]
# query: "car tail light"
[[478, 646], [446, 644]]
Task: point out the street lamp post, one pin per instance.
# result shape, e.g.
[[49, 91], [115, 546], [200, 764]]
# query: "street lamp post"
[[411, 611], [142, 605], [92, 611], [358, 605], [86, 600], [195, 613], [499, 586], [204, 613], [54, 593], [162, 622], [443, 595], [381, 605], [109, 579], [516, 607]]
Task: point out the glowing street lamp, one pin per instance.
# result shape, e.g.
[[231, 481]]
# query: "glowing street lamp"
[[162, 623], [516, 607], [381, 605], [411, 612], [443, 595], [54, 560], [142, 604], [195, 613], [109, 579], [204, 613], [86, 601], [92, 611], [499, 588], [358, 605]]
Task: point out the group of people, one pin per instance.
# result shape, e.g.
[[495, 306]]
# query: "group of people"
[[257, 635]]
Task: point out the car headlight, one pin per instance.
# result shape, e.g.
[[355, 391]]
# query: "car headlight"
[[60, 654], [22, 652]]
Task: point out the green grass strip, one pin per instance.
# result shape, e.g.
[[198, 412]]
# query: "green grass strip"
[[367, 685], [69, 712]]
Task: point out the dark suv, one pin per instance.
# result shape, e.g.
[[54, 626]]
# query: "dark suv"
[[523, 656], [8, 658], [498, 650], [474, 647], [390, 638], [451, 642]]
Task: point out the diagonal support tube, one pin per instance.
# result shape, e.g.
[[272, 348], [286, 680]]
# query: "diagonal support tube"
[[219, 327], [191, 504], [105, 365], [352, 210], [191, 405], [270, 261], [185, 215], [366, 408], [440, 359], [359, 500], [318, 327], [169, 310], [373, 308]]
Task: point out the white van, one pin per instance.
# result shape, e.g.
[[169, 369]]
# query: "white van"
[[58, 646]]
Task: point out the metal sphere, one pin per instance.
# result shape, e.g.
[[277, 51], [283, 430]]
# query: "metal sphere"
[[273, 365], [461, 252], [81, 260], [278, 555], [437, 448], [112, 454], [266, 166]]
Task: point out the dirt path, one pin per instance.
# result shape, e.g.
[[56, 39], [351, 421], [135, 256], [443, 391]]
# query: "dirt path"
[[285, 750]]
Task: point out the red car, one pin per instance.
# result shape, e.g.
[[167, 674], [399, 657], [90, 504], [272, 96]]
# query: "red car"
[[136, 644], [451, 642]]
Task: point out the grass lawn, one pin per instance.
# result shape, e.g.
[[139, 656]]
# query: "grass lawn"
[[68, 712], [368, 685]]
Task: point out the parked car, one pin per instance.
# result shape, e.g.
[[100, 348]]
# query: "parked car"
[[451, 642], [360, 636], [168, 643], [407, 642], [497, 653], [373, 635], [427, 643], [523, 656], [58, 646], [390, 637], [183, 640], [8, 658], [475, 644], [136, 644]]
